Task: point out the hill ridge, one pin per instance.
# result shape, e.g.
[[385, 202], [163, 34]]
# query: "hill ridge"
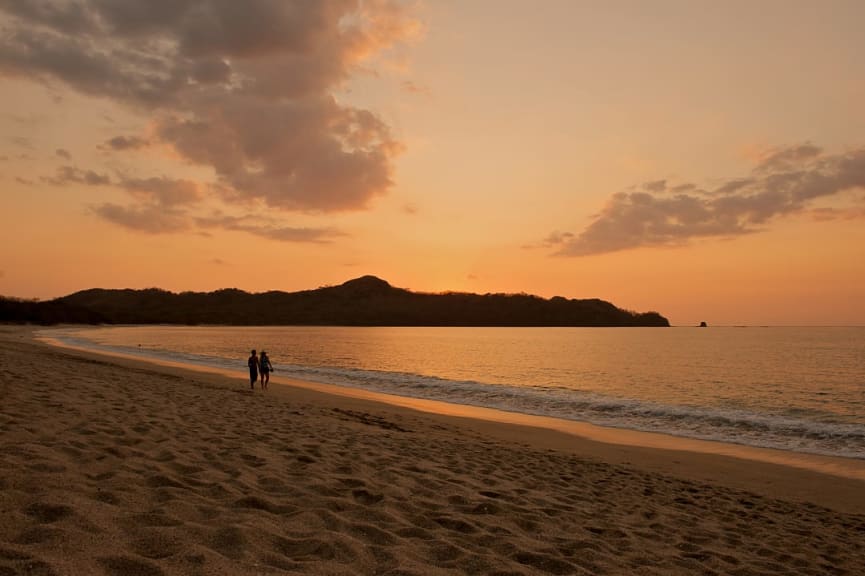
[[364, 301]]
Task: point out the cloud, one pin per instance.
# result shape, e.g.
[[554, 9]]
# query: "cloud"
[[269, 228], [149, 218], [785, 181], [163, 205], [63, 154], [121, 143], [160, 205], [553, 240], [243, 87], [785, 159], [279, 154], [656, 186], [72, 175], [825, 214], [163, 191], [556, 238]]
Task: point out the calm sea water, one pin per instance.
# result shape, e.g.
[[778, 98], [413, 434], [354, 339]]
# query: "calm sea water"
[[799, 389]]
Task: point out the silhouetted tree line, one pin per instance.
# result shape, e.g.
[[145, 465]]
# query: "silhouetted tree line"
[[366, 301], [49, 312]]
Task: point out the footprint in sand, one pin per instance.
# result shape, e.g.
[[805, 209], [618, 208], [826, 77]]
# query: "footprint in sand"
[[48, 513], [125, 565], [367, 498]]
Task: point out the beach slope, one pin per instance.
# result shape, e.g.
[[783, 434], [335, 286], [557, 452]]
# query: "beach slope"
[[123, 468]]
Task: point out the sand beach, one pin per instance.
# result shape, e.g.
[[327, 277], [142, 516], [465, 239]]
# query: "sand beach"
[[120, 467]]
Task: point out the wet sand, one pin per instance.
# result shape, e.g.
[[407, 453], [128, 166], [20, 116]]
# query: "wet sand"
[[115, 466]]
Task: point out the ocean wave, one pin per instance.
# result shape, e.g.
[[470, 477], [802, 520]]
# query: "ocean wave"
[[705, 423]]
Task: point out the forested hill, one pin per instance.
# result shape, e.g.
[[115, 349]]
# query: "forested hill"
[[365, 301]]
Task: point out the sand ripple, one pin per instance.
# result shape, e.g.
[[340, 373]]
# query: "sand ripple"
[[130, 471]]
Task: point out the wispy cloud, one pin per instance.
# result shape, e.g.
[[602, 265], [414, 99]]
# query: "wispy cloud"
[[166, 205], [162, 191], [149, 218], [242, 87], [72, 175], [120, 143], [785, 181], [270, 228], [161, 205]]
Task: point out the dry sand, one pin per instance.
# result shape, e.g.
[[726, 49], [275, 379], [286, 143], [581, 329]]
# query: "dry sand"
[[110, 466]]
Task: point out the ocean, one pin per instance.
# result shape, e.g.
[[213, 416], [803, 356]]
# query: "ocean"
[[794, 389]]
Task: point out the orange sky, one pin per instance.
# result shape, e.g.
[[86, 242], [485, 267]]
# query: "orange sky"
[[705, 160]]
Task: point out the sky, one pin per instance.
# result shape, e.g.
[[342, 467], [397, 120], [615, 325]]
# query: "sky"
[[705, 160]]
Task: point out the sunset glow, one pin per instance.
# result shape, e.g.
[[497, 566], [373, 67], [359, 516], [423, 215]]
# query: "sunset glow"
[[704, 160]]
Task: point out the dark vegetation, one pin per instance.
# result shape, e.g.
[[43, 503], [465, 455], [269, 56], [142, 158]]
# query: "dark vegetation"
[[366, 301], [51, 312]]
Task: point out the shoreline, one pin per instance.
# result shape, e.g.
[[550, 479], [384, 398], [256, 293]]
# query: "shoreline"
[[117, 466], [850, 468], [733, 465]]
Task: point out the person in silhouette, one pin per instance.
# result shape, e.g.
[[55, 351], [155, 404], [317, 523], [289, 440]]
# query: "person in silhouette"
[[253, 364], [266, 369]]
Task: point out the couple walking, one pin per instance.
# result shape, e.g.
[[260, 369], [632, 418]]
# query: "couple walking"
[[259, 364]]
